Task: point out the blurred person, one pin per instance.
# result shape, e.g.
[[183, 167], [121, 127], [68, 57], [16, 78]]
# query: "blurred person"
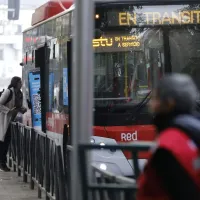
[[10, 105], [172, 172]]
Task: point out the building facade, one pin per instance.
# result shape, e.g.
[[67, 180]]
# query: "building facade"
[[11, 43]]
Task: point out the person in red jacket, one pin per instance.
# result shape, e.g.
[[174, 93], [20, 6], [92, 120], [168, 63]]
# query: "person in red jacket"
[[173, 170]]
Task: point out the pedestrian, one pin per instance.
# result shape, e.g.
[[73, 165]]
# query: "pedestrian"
[[10, 105], [173, 170]]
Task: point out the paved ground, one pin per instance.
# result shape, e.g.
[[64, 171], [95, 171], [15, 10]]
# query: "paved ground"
[[12, 188]]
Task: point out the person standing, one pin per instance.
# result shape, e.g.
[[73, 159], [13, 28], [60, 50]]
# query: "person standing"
[[173, 170], [11, 102]]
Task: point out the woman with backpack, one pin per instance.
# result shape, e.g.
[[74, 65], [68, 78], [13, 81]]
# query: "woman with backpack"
[[11, 101]]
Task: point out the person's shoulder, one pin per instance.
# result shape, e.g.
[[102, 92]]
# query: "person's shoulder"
[[170, 137], [170, 132], [8, 91], [5, 96]]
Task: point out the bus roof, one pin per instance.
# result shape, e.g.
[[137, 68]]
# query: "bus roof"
[[50, 9], [47, 12]]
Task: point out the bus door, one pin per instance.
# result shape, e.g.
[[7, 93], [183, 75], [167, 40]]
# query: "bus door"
[[67, 138], [34, 88], [41, 62]]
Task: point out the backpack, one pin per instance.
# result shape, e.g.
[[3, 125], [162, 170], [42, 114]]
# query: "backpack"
[[9, 98]]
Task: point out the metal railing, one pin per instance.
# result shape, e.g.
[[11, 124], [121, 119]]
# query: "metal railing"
[[38, 158], [44, 163], [106, 186], [102, 185]]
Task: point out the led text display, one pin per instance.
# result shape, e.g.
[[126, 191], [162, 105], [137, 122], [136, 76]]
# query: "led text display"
[[157, 18], [154, 15], [116, 43]]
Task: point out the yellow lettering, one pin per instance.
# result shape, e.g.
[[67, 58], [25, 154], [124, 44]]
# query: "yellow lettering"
[[166, 18], [185, 16], [192, 17], [147, 16], [132, 18], [176, 17], [156, 18], [96, 43], [123, 19], [127, 41], [109, 43], [197, 15], [103, 41], [123, 38], [117, 39], [131, 37], [136, 37]]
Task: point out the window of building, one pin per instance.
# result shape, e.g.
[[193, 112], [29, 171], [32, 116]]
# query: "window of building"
[[16, 52], [19, 29], [1, 30], [1, 54]]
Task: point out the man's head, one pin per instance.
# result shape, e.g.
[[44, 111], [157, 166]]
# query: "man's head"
[[175, 92]]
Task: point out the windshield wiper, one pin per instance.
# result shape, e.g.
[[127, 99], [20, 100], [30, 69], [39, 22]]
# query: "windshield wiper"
[[129, 106], [143, 103], [111, 106]]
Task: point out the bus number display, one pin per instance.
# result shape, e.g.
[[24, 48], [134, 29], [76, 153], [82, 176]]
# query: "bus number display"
[[156, 18], [154, 15], [116, 43]]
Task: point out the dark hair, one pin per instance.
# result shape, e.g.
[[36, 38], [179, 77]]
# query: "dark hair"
[[181, 88], [14, 81]]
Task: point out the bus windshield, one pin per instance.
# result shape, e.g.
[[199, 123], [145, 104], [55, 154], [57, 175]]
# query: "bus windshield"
[[127, 66], [141, 43]]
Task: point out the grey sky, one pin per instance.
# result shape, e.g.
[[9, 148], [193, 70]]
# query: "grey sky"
[[28, 3]]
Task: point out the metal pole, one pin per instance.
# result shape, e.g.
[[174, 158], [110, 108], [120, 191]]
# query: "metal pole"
[[82, 85]]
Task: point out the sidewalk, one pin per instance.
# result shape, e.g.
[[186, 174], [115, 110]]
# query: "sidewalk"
[[13, 188]]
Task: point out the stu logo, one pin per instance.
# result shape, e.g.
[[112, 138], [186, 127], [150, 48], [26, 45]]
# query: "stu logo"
[[128, 137]]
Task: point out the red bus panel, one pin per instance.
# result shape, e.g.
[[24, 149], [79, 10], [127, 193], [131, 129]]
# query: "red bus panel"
[[49, 10]]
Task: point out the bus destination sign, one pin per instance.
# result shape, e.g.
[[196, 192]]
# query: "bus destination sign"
[[147, 16], [116, 43]]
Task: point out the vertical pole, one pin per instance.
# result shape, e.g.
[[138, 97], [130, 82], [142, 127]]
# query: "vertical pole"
[[82, 81]]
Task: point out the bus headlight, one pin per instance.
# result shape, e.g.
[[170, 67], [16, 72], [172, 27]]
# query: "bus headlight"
[[103, 166], [102, 144], [92, 141]]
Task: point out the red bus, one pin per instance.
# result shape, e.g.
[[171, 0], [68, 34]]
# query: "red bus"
[[135, 43]]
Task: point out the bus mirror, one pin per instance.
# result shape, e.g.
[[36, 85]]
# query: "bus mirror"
[[97, 33], [13, 9]]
